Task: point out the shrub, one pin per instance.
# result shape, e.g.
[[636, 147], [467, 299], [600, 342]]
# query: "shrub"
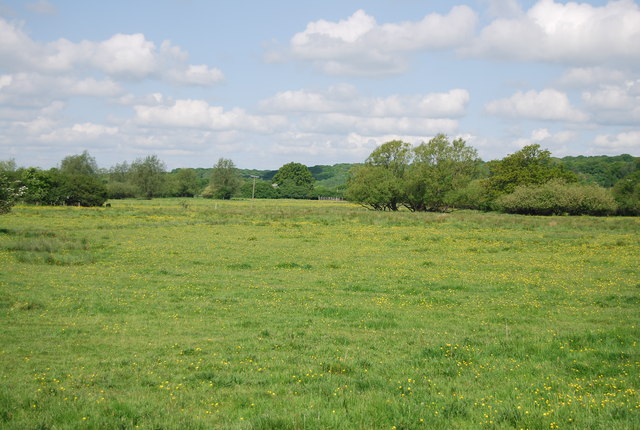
[[121, 190], [83, 190], [558, 198]]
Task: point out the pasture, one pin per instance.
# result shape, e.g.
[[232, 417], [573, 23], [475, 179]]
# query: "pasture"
[[196, 314]]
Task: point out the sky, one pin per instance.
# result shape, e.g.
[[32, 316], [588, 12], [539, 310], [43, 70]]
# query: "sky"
[[267, 83]]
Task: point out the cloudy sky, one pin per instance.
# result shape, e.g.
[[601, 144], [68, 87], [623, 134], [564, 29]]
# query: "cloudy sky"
[[266, 83]]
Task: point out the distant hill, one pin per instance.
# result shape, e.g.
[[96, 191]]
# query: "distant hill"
[[602, 169]]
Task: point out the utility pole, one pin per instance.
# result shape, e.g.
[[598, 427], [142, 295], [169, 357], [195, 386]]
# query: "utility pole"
[[253, 193]]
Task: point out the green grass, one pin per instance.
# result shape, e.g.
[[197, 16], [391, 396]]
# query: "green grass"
[[310, 315]]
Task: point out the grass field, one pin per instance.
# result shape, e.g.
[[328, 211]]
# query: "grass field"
[[174, 314]]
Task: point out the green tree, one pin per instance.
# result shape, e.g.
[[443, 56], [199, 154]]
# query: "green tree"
[[225, 180], [82, 164], [148, 175], [120, 172], [627, 194], [394, 156], [529, 166], [375, 187], [83, 190], [439, 169], [186, 183], [295, 173], [379, 183], [294, 181]]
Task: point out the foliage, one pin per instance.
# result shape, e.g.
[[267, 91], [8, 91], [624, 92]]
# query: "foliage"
[[9, 193], [423, 178], [148, 175], [185, 183], [315, 315], [225, 180], [627, 194], [557, 198], [439, 169], [474, 195], [529, 166], [121, 190], [375, 187], [295, 174], [263, 190], [379, 184], [8, 166], [82, 164], [121, 172], [603, 170], [83, 190]]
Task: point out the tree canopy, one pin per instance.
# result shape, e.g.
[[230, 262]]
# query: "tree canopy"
[[148, 175], [225, 180]]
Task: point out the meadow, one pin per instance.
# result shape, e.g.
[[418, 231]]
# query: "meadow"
[[197, 314]]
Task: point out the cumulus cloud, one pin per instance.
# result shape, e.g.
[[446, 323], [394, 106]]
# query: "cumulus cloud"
[[79, 133], [196, 75], [372, 126], [345, 99], [628, 141], [36, 90], [122, 56], [199, 114], [581, 77], [544, 137], [566, 33], [548, 104], [359, 45], [341, 109], [615, 104]]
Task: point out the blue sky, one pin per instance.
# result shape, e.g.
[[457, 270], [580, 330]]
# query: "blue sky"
[[266, 83]]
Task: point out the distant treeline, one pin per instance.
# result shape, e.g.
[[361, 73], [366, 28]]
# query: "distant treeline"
[[436, 176]]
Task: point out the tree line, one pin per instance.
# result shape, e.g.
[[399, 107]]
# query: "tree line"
[[439, 175]]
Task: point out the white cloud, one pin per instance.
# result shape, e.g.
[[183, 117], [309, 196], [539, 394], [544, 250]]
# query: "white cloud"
[[122, 56], [622, 142], [37, 90], [196, 75], [615, 104], [79, 133], [340, 109], [345, 99], [566, 33], [545, 138], [371, 126], [128, 55], [580, 77], [361, 46], [548, 104], [200, 115]]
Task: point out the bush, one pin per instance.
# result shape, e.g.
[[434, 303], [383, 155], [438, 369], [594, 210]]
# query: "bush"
[[83, 190], [474, 196], [9, 193], [121, 190], [558, 198]]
